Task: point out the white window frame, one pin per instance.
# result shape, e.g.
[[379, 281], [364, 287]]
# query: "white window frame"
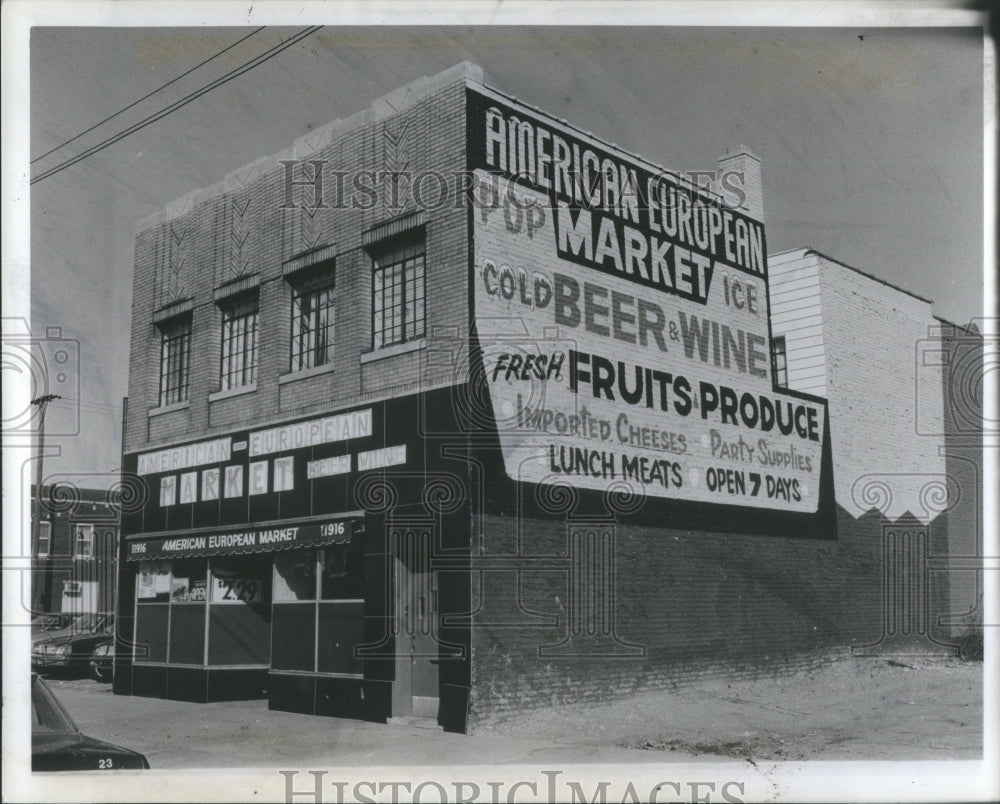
[[44, 537], [86, 530]]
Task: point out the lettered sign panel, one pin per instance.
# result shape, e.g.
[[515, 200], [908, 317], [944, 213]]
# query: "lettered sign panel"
[[623, 321]]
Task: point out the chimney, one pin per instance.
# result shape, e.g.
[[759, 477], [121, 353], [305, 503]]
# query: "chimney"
[[738, 180]]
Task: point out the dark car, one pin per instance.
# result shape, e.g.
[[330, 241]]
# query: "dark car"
[[53, 626], [44, 624], [102, 660], [70, 649], [58, 745]]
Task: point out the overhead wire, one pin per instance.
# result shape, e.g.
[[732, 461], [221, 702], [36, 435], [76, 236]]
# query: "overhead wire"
[[148, 95], [255, 62]]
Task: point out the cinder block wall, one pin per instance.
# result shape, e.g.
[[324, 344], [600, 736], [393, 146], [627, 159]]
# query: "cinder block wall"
[[240, 232]]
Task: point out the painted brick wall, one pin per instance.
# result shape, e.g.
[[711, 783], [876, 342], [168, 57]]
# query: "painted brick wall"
[[872, 333], [858, 342], [700, 604], [239, 234]]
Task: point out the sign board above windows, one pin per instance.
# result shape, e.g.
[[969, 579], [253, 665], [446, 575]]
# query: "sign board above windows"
[[284, 536]]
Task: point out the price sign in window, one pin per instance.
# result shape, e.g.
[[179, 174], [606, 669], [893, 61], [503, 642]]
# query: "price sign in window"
[[234, 589]]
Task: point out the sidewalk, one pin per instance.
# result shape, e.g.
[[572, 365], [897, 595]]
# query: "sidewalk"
[[868, 709]]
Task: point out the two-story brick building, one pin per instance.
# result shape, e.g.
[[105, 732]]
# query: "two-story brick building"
[[75, 551], [452, 409]]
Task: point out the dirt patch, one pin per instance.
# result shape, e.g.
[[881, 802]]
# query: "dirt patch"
[[763, 747], [886, 708]]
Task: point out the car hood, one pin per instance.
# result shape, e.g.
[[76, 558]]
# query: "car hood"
[[54, 752]]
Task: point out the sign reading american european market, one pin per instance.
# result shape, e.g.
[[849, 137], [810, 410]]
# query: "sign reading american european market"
[[623, 322]]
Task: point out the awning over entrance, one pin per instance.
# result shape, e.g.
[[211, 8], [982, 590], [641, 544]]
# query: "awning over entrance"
[[261, 539]]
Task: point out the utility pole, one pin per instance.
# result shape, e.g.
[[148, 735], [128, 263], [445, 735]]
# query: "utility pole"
[[36, 525]]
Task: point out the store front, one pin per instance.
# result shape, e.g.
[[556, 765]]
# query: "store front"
[[231, 607], [290, 563]]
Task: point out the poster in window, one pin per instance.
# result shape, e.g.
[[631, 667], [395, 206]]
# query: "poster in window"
[[179, 589], [184, 590], [235, 589], [154, 580]]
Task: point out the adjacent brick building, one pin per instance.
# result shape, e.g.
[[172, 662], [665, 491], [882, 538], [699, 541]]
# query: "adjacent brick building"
[[452, 409], [75, 551]]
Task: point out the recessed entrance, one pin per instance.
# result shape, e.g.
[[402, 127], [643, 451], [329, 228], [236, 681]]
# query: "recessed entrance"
[[415, 692]]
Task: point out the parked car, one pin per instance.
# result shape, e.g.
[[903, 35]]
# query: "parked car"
[[64, 624], [71, 649], [102, 661], [43, 624], [58, 745]]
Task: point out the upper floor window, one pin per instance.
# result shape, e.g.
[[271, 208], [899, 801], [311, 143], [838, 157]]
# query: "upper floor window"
[[44, 546], [398, 292], [83, 541], [175, 360], [239, 342], [312, 321], [779, 361]]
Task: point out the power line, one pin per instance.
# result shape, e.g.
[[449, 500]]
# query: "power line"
[[255, 62], [149, 95]]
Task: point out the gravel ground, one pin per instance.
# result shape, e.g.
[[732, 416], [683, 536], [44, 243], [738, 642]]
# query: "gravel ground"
[[867, 709]]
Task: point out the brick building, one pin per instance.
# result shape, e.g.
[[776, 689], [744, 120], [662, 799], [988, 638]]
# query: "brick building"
[[453, 409], [75, 551]]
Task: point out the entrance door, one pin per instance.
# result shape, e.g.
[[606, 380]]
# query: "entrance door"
[[416, 689]]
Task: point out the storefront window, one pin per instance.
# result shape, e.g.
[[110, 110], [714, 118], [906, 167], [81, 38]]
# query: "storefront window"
[[153, 585], [293, 630], [340, 630], [152, 613], [294, 575], [318, 632], [171, 617], [188, 584], [341, 572], [240, 610], [151, 623], [188, 593]]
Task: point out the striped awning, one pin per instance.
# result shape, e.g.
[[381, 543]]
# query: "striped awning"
[[260, 539]]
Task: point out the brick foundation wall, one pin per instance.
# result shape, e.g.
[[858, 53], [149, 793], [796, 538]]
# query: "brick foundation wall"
[[699, 604]]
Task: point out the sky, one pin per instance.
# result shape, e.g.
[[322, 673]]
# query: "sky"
[[871, 141]]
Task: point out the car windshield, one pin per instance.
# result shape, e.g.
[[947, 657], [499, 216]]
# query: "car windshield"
[[47, 714]]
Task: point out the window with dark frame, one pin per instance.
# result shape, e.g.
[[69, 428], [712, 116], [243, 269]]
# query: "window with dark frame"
[[398, 291], [175, 360], [779, 361], [312, 319], [239, 342]]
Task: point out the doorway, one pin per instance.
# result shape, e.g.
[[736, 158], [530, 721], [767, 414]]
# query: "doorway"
[[415, 691]]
